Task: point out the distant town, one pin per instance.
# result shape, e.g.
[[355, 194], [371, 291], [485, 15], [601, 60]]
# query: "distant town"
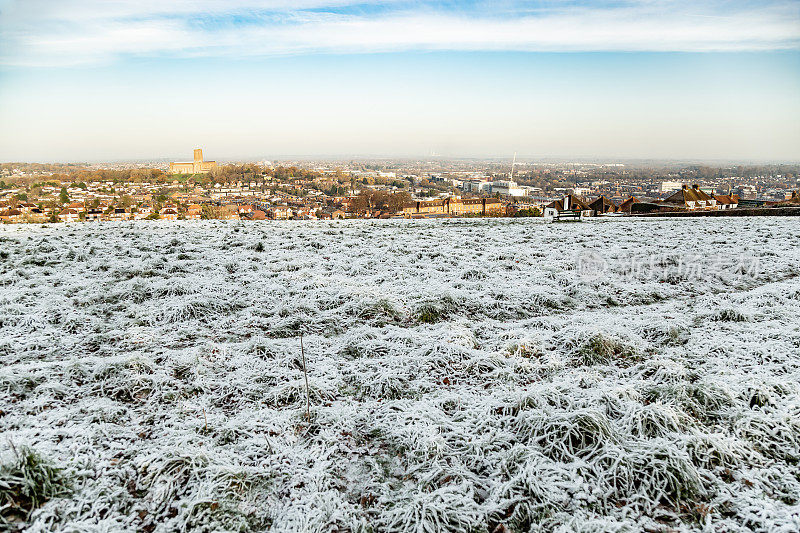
[[313, 190]]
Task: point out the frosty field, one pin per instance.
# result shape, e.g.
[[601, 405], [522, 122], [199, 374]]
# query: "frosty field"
[[465, 375]]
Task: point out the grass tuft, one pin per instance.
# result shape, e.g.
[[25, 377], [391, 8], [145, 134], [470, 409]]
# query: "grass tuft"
[[730, 315], [27, 481], [602, 350], [654, 473], [567, 436], [429, 313]]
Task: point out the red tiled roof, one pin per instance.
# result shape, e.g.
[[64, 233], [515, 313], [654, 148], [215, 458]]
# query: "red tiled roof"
[[686, 195]]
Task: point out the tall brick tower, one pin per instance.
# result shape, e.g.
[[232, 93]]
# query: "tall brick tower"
[[198, 159], [198, 166]]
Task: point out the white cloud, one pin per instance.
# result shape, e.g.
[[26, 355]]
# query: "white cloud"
[[38, 32]]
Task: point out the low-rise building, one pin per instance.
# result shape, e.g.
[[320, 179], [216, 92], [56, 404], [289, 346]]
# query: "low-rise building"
[[168, 213], [11, 215], [281, 212], [94, 214], [476, 186], [119, 214], [69, 215], [691, 198], [508, 188], [726, 201], [627, 205], [570, 206], [669, 186], [455, 207], [143, 212], [603, 206], [194, 212]]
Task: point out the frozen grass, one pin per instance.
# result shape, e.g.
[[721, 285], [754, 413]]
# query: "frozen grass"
[[461, 377], [27, 481]]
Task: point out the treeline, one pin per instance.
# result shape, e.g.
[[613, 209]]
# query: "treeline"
[[119, 176], [223, 174], [372, 200], [83, 175], [745, 171], [250, 171], [62, 168]]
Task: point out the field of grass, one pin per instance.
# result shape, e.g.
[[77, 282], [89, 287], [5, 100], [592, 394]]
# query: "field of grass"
[[464, 375]]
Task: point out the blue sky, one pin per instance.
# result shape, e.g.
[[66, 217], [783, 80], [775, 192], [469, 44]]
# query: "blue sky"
[[114, 79]]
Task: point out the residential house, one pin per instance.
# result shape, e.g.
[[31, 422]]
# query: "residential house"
[[570, 206], [726, 201], [794, 198], [194, 212], [119, 214], [36, 215], [169, 212], [281, 212], [11, 215], [94, 214], [332, 214], [143, 212], [603, 205], [691, 198], [627, 205], [306, 213], [26, 207], [69, 215]]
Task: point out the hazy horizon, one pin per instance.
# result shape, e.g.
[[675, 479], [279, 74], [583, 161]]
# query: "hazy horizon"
[[496, 159], [101, 81]]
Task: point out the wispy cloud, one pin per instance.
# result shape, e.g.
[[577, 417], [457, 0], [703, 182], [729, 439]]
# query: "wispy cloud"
[[71, 32]]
